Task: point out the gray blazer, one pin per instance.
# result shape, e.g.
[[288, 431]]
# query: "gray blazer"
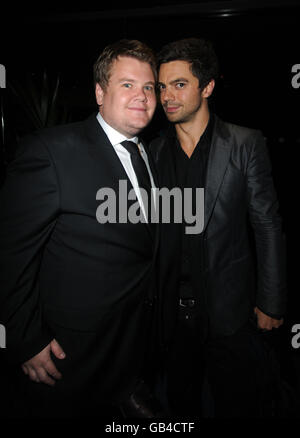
[[238, 192]]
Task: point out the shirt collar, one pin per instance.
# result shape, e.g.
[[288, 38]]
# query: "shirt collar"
[[203, 143], [114, 136]]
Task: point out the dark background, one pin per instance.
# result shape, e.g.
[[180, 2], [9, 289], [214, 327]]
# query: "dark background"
[[257, 44]]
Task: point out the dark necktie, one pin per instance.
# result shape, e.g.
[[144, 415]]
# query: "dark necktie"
[[141, 172]]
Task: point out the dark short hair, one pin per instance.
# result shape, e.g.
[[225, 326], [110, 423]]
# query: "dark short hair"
[[198, 52], [131, 48]]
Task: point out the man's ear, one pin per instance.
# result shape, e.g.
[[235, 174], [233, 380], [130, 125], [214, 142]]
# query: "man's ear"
[[207, 91], [99, 94]]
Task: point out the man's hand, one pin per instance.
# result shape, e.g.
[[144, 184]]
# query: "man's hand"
[[265, 322], [41, 368]]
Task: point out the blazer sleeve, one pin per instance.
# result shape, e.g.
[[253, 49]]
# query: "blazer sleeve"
[[29, 204], [266, 223]]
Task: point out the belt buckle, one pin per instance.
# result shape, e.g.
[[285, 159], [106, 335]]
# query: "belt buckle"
[[186, 302]]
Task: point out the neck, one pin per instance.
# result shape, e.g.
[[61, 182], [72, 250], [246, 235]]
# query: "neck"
[[189, 132]]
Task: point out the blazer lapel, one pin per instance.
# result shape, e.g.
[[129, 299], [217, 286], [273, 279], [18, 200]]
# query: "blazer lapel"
[[151, 164], [170, 231], [217, 163], [102, 151], [165, 165]]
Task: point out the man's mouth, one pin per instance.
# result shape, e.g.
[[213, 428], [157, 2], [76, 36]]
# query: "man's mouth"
[[138, 109], [171, 108]]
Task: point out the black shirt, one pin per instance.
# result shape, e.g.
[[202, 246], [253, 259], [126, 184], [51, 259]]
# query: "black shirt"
[[191, 173]]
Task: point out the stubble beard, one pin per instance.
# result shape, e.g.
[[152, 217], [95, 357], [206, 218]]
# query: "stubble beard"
[[187, 117]]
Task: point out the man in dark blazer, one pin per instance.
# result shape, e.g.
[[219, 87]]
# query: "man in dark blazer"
[[217, 294], [77, 292]]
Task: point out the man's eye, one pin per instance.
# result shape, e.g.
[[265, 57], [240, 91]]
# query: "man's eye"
[[149, 88], [160, 87], [180, 85], [127, 85]]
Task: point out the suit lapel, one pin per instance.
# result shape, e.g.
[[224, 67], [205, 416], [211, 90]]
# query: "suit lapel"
[[171, 231], [151, 164], [102, 151], [166, 166], [217, 164], [156, 183]]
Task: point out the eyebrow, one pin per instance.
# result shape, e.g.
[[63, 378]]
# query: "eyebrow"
[[175, 81], [133, 80]]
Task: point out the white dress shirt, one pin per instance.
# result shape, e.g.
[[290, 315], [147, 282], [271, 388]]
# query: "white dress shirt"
[[115, 139]]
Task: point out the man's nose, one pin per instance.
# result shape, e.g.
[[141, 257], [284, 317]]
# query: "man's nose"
[[166, 95], [141, 95]]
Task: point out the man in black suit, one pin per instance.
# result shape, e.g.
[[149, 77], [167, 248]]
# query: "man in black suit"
[[216, 302], [77, 289]]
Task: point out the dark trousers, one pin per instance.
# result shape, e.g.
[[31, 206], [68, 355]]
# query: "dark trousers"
[[27, 399], [229, 377], [79, 393]]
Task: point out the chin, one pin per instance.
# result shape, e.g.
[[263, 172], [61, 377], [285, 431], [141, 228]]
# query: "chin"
[[173, 119], [141, 125], [134, 130]]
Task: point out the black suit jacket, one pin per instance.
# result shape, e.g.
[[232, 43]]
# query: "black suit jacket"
[[238, 191], [63, 274]]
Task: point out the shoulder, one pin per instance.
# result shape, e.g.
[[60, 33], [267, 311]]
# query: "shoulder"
[[247, 145], [56, 140], [157, 144], [61, 136], [237, 133]]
